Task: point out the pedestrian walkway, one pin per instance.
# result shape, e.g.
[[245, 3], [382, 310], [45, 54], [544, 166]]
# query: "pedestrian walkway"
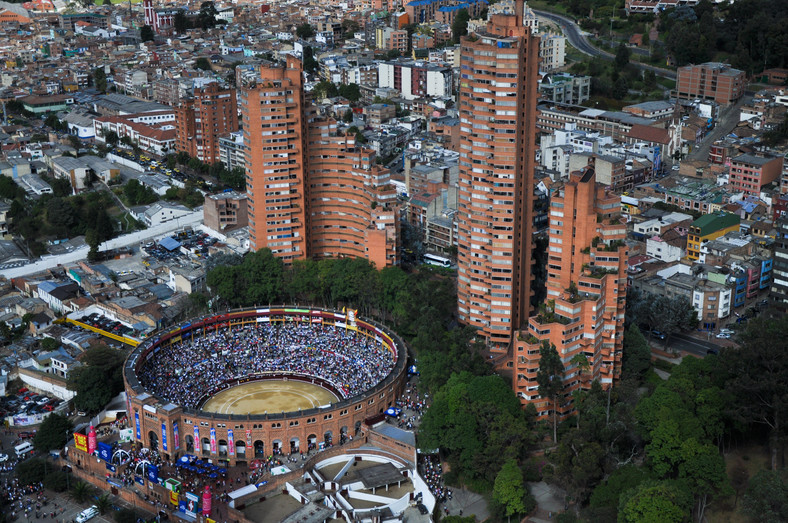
[[550, 501]]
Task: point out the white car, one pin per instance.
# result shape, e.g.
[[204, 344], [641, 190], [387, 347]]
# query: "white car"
[[726, 331], [87, 514], [674, 168], [723, 336], [3, 458]]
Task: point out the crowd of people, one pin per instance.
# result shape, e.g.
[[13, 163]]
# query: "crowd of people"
[[189, 371], [432, 472], [27, 500]]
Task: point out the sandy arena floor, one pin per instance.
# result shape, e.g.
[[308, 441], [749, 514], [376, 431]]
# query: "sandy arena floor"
[[259, 397]]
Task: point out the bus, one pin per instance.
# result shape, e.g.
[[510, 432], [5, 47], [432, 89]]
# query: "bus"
[[439, 261]]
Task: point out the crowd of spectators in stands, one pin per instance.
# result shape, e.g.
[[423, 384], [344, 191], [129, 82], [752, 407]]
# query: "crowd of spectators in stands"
[[190, 370]]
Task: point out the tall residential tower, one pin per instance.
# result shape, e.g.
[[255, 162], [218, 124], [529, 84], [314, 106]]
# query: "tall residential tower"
[[583, 314], [314, 191], [498, 94]]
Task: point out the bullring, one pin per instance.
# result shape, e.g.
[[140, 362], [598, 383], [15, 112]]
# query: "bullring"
[[172, 375]]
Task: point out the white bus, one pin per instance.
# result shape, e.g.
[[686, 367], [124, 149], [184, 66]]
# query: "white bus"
[[439, 261]]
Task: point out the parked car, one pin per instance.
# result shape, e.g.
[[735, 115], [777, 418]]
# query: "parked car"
[[658, 334], [723, 336]]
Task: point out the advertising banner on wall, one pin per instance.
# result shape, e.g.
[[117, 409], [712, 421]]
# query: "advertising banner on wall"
[[81, 442], [153, 473], [177, 442], [230, 442], [104, 451], [164, 436], [213, 440], [197, 444], [137, 424]]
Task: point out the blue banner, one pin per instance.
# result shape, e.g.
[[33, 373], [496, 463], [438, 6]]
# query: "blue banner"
[[177, 442], [139, 480], [104, 451], [164, 436], [137, 423], [112, 467], [153, 473], [114, 482]]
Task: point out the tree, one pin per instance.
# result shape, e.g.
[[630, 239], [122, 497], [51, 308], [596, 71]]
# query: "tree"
[[80, 492], [620, 88], [348, 116], [100, 79], [478, 423], [203, 63], [759, 371], [703, 470], [623, 53], [509, 489], [99, 379], [53, 433], [637, 354], [663, 502], [180, 22], [649, 79], [350, 91], [459, 27], [146, 33], [57, 481], [207, 15], [550, 379], [31, 471], [103, 503], [310, 64], [305, 31], [766, 499]]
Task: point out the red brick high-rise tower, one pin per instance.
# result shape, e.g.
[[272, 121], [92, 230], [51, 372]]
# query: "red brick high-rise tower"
[[498, 95]]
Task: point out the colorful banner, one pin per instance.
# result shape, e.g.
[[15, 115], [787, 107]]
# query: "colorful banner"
[[189, 505], [137, 424], [177, 442], [164, 436], [230, 442], [197, 444], [80, 442], [213, 440], [174, 498], [248, 439]]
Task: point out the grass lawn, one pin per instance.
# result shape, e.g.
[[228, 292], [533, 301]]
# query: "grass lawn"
[[754, 459], [541, 5]]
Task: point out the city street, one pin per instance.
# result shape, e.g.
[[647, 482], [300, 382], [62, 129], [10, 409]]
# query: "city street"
[[578, 40], [729, 119], [134, 238]]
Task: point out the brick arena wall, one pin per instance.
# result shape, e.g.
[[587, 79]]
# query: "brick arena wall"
[[152, 415]]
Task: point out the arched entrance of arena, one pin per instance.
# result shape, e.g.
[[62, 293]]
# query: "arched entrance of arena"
[[189, 444], [342, 435], [311, 442], [294, 445], [328, 438], [358, 427], [259, 449], [240, 449], [276, 446], [206, 446], [153, 440], [222, 448]]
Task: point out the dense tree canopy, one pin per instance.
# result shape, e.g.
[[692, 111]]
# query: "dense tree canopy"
[[53, 433], [99, 379]]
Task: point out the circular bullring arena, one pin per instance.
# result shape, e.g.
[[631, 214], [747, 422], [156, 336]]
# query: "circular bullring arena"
[[250, 383]]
